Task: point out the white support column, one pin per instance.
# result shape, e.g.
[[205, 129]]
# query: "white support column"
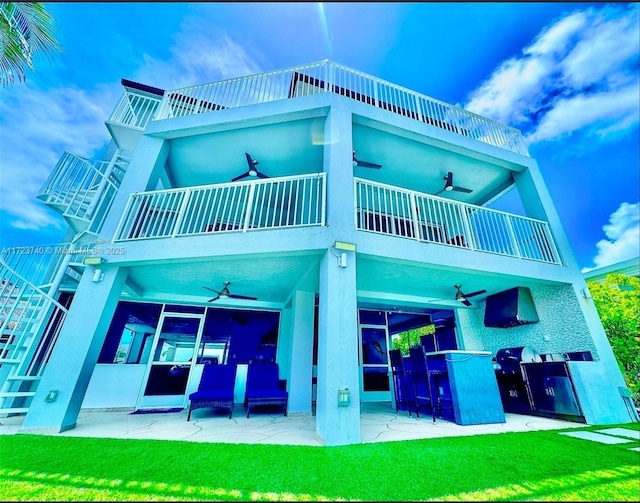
[[75, 354], [604, 382], [338, 352], [143, 173], [302, 321], [338, 306]]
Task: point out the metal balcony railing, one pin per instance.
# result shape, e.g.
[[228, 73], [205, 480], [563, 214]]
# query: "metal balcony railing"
[[399, 212], [327, 76], [134, 110], [83, 190], [291, 201]]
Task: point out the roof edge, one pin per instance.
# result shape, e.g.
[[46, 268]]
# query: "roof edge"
[[142, 87]]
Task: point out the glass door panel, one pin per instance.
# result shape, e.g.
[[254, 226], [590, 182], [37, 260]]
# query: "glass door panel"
[[173, 359], [374, 360]]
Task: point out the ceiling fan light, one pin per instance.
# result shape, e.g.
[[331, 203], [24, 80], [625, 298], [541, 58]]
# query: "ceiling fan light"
[[253, 172], [448, 188]]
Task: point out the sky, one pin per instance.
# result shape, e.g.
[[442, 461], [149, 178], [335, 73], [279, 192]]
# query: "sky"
[[565, 74]]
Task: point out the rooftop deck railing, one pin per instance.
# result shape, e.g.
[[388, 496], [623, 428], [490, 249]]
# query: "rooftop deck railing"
[[134, 110], [291, 201], [327, 76], [399, 212]]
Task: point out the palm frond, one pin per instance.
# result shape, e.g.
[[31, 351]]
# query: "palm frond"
[[27, 31]]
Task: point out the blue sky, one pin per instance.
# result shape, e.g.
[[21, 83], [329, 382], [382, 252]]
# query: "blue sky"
[[566, 74]]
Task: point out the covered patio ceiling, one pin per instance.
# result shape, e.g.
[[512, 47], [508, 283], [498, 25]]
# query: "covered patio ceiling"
[[296, 147], [382, 283]]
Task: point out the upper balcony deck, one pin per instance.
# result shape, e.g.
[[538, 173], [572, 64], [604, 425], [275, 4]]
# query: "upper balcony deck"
[[137, 108], [300, 201]]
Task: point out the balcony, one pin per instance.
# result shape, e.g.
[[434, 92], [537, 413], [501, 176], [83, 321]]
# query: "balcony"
[[327, 76], [292, 201], [131, 116], [297, 201], [390, 210], [82, 190]]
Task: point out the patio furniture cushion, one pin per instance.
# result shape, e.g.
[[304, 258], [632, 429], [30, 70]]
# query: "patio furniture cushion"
[[263, 386], [215, 389]]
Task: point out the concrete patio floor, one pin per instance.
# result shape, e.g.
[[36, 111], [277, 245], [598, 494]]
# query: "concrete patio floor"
[[379, 423]]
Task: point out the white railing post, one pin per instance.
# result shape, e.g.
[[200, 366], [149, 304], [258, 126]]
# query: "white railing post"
[[414, 213], [181, 212], [123, 217], [247, 216], [512, 236], [467, 226]]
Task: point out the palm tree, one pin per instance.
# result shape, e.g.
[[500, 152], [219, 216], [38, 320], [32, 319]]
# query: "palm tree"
[[26, 30]]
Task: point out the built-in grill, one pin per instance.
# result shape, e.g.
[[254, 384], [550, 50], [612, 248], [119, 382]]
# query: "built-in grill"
[[511, 382], [536, 384]]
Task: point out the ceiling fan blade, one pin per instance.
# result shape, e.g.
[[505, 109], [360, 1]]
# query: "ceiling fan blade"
[[466, 302], [479, 292], [211, 290], [365, 164], [250, 160], [240, 177], [461, 189], [233, 296], [448, 180], [215, 298], [261, 175]]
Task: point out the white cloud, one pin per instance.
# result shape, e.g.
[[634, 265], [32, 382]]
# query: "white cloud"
[[580, 73], [37, 127], [198, 56], [623, 236]]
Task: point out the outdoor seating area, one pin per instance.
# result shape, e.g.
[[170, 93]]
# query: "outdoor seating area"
[[264, 388]]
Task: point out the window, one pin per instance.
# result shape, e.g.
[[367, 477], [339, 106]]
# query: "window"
[[130, 334]]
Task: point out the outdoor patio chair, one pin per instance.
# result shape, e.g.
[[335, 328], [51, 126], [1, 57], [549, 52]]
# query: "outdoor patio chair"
[[421, 382], [263, 386], [401, 382], [215, 389]]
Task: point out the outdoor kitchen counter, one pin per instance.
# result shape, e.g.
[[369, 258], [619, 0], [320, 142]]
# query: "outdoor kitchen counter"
[[464, 383]]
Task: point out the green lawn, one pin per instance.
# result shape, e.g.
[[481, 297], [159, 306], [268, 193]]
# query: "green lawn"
[[536, 466]]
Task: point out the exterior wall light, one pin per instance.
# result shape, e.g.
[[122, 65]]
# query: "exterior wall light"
[[93, 261], [342, 257], [51, 396], [98, 275], [344, 397]]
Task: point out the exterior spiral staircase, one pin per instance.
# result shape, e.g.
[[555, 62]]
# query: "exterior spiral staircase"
[[37, 282]]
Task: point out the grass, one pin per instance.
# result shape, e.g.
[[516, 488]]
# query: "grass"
[[537, 466]]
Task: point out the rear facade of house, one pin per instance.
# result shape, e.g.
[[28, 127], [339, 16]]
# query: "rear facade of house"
[[310, 216]]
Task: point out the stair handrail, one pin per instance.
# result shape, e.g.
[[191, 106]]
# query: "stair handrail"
[[32, 285]]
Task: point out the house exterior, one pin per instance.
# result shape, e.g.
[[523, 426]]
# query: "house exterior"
[[368, 204], [628, 267]]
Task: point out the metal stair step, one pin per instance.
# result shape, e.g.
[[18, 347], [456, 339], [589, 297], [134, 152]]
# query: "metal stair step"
[[14, 410], [15, 394]]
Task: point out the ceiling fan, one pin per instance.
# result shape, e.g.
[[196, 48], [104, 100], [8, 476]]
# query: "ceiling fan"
[[464, 298], [252, 171], [224, 293], [364, 164], [460, 297], [449, 186]]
